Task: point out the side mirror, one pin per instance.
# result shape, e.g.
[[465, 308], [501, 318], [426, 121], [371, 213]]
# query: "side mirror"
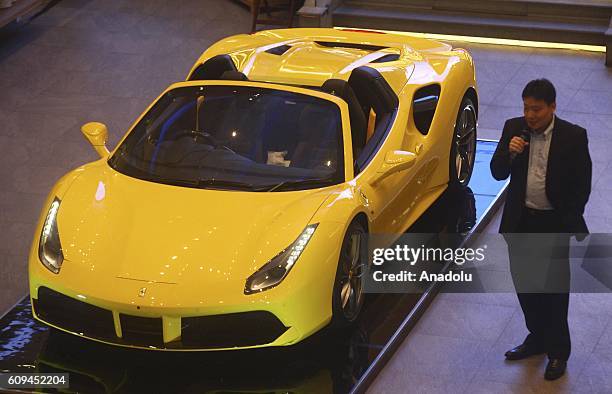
[[395, 161], [97, 134]]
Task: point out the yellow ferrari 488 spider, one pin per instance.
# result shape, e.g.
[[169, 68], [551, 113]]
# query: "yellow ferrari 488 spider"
[[232, 213]]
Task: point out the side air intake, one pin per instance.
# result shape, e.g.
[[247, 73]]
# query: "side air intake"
[[424, 107]]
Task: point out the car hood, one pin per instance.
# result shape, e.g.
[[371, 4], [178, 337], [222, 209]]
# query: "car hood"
[[121, 227]]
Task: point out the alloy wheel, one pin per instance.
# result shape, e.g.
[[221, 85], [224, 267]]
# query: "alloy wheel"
[[465, 144], [351, 280]]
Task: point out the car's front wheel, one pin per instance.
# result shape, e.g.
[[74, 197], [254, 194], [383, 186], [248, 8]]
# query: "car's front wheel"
[[463, 147], [348, 295]]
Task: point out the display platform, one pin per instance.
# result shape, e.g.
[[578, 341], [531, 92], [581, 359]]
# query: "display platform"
[[327, 362]]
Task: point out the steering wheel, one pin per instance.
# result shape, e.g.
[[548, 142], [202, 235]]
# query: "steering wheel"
[[196, 135]]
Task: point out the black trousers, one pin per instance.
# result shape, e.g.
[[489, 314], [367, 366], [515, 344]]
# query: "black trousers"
[[539, 263]]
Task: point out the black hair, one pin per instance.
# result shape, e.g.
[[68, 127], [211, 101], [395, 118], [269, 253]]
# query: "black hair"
[[541, 89]]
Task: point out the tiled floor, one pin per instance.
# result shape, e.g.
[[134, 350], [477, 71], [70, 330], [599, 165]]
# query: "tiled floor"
[[105, 60]]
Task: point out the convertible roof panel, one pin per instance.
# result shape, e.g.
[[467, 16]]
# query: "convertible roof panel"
[[309, 63], [309, 57]]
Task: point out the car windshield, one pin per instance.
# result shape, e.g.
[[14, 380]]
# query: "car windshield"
[[236, 137]]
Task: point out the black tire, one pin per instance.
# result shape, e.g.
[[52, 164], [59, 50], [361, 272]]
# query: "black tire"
[[463, 146], [349, 277]]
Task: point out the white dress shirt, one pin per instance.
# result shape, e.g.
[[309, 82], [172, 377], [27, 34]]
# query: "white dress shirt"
[[539, 147]]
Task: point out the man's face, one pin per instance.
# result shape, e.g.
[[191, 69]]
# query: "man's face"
[[538, 113]]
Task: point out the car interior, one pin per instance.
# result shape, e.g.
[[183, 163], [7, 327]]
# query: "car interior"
[[371, 101]]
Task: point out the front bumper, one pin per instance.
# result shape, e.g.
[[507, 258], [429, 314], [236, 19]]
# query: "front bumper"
[[234, 330]]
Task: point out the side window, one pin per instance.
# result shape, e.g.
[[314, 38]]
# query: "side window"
[[379, 104], [424, 106]]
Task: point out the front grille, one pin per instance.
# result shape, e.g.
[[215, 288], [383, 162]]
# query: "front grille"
[[231, 330], [201, 332], [73, 315], [142, 331]]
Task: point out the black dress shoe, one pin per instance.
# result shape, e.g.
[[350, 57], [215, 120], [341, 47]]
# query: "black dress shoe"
[[522, 351], [555, 369]]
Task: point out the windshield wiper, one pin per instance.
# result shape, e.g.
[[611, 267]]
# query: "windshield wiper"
[[301, 182], [224, 183], [171, 181], [202, 183]]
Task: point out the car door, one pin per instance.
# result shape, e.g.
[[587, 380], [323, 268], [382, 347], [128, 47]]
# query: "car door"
[[391, 198]]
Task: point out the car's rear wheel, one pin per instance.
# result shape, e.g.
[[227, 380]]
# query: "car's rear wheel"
[[348, 295], [463, 147]]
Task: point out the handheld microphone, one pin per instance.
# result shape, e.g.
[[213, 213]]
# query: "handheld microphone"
[[526, 136]]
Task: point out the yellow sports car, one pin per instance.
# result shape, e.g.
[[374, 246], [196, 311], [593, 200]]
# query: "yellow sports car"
[[232, 213]]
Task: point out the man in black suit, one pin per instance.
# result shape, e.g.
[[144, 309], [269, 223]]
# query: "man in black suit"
[[548, 162]]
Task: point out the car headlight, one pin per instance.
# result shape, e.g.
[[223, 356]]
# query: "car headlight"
[[49, 247], [277, 269]]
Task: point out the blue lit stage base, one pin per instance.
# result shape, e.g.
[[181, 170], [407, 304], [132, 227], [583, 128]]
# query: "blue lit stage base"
[[325, 363]]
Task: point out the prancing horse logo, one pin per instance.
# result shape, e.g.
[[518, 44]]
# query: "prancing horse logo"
[[142, 292]]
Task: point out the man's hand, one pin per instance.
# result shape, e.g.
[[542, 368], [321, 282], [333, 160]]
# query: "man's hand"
[[516, 146]]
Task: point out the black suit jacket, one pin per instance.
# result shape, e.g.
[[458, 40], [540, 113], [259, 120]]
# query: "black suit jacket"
[[568, 175]]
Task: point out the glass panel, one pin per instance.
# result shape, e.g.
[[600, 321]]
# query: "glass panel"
[[236, 137]]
